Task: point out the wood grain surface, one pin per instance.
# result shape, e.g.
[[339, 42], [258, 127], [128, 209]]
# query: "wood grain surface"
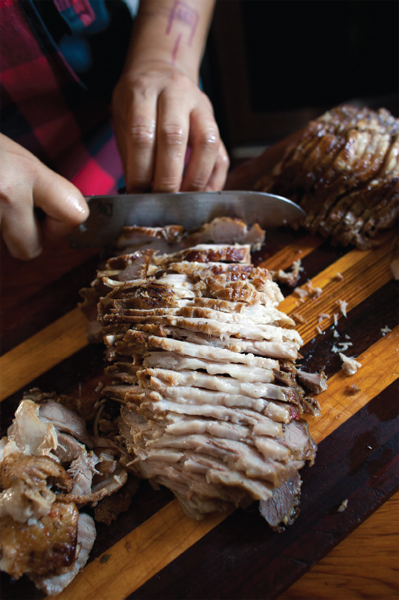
[[154, 550]]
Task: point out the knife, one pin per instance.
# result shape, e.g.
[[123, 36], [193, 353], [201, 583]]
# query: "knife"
[[109, 214]]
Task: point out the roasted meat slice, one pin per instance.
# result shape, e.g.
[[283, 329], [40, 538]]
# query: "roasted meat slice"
[[228, 230], [283, 507]]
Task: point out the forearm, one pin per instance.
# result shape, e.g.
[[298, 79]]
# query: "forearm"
[[158, 108], [170, 31]]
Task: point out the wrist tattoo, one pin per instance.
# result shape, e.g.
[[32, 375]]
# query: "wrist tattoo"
[[185, 14]]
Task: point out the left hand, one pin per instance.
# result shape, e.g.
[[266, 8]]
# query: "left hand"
[[159, 113]]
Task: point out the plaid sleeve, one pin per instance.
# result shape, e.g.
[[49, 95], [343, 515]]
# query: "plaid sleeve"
[[84, 15], [45, 108]]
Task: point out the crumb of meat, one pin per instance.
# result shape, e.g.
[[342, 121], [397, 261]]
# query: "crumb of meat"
[[314, 292], [344, 345], [299, 318], [323, 316], [353, 389], [385, 330], [301, 292], [347, 337], [309, 285], [319, 330], [335, 333], [335, 315], [349, 365], [343, 505], [342, 306], [288, 277], [297, 265], [341, 347], [339, 276]]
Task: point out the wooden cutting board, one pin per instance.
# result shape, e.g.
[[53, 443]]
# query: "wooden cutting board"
[[153, 550]]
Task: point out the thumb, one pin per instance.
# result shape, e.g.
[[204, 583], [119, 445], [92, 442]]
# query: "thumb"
[[62, 202]]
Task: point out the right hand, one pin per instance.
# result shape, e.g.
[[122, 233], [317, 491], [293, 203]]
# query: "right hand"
[[26, 183]]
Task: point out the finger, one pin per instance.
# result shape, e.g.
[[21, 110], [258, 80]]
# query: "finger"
[[218, 178], [19, 227], [172, 138], [204, 142], [140, 144], [64, 205]]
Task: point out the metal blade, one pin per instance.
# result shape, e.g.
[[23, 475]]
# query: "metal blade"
[[109, 214]]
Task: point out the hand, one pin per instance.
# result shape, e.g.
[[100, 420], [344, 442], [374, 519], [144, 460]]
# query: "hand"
[[26, 183], [159, 113]]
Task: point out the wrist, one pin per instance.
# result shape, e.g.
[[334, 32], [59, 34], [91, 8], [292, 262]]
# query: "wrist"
[[147, 65], [179, 28]]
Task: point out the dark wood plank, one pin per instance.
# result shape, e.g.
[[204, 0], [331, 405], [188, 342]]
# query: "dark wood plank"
[[35, 311], [363, 326]]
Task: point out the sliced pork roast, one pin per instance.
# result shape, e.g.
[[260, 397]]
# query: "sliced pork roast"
[[344, 172], [203, 364], [49, 468]]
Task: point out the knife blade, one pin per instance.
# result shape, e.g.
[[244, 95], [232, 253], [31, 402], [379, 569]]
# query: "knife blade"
[[109, 214]]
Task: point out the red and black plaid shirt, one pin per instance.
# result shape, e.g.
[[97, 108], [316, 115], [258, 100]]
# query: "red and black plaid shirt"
[[45, 107]]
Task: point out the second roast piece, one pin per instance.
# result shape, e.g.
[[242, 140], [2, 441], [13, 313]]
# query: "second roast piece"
[[343, 170]]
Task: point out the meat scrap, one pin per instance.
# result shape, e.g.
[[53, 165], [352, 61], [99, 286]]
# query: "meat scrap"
[[289, 278], [349, 365], [203, 364], [316, 382], [49, 468], [343, 170], [353, 389]]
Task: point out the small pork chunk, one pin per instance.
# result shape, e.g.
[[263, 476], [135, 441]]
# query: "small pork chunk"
[[43, 546], [316, 382], [24, 480], [54, 584], [30, 433], [349, 365], [65, 420]]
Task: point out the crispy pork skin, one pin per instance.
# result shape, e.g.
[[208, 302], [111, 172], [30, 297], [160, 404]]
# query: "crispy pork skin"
[[343, 169], [45, 545]]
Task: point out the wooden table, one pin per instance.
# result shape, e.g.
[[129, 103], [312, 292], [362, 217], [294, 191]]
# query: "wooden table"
[[153, 551]]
